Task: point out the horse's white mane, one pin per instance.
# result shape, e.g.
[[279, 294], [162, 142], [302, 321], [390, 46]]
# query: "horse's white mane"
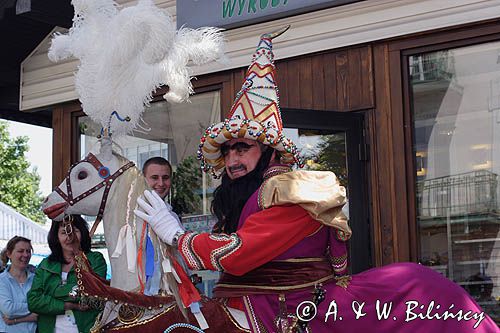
[[127, 54], [136, 187], [119, 212]]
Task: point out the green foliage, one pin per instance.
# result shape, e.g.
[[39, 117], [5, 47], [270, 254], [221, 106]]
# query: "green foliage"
[[331, 156], [186, 182], [19, 187]]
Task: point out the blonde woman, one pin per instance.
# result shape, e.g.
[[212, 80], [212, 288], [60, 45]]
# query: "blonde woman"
[[15, 282]]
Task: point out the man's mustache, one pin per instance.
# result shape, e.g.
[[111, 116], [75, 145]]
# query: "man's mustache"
[[237, 167]]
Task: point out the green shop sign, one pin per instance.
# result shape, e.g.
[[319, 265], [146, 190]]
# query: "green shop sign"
[[236, 13]]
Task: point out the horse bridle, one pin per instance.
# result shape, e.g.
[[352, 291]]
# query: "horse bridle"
[[107, 181]]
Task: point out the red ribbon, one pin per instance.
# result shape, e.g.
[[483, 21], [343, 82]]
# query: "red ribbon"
[[187, 291]]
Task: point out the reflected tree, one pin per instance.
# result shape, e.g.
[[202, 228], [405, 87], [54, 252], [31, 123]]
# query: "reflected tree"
[[330, 156], [186, 185]]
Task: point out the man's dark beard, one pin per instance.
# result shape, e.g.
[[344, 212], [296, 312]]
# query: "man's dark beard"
[[232, 195]]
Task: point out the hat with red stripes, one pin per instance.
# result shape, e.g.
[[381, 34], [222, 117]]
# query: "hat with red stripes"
[[255, 113]]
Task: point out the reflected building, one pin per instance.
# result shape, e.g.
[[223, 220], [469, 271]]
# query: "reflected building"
[[457, 159]]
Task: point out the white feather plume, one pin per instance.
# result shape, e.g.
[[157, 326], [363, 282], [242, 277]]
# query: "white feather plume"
[[125, 55], [199, 46]]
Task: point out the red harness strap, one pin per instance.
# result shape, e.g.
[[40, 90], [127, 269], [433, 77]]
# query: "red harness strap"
[[107, 182]]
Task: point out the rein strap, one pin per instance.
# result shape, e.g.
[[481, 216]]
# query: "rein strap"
[[107, 182]]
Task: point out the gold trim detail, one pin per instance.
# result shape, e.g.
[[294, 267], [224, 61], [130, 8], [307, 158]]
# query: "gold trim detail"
[[311, 259], [304, 285], [257, 326], [142, 322], [235, 323], [129, 313]]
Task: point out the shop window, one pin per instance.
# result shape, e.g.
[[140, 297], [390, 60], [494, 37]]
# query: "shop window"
[[456, 117], [172, 131]]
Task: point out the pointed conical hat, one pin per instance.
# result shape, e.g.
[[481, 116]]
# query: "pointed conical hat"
[[255, 113]]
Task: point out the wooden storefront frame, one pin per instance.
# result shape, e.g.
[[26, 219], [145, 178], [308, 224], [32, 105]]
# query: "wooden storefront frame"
[[64, 139], [331, 81], [395, 80], [299, 88]]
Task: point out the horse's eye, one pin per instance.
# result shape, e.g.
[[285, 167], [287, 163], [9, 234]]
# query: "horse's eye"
[[82, 175]]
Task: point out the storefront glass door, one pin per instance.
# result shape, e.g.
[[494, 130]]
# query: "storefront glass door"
[[334, 142]]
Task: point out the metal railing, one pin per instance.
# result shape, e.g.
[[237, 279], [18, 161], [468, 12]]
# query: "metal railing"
[[430, 67], [13, 224], [467, 193]]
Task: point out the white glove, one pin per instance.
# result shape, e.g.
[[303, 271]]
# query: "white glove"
[[159, 217]]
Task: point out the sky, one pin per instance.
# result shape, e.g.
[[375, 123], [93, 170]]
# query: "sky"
[[40, 150]]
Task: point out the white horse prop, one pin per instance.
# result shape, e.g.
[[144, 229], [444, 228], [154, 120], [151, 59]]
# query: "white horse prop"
[[107, 185]]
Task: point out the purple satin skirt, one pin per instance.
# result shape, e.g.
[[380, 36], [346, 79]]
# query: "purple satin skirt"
[[402, 297]]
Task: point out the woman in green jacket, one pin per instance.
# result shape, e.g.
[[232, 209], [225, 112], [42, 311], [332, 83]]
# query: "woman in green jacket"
[[55, 279]]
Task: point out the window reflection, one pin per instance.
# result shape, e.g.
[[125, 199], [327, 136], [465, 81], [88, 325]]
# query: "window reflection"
[[321, 150], [456, 114], [171, 131]]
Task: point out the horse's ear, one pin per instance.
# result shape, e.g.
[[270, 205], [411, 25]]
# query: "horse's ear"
[[106, 151]]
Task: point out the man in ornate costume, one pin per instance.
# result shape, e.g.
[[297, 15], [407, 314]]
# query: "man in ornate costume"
[[281, 235]]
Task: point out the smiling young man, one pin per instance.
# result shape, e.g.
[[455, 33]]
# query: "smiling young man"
[[158, 173], [281, 234]]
